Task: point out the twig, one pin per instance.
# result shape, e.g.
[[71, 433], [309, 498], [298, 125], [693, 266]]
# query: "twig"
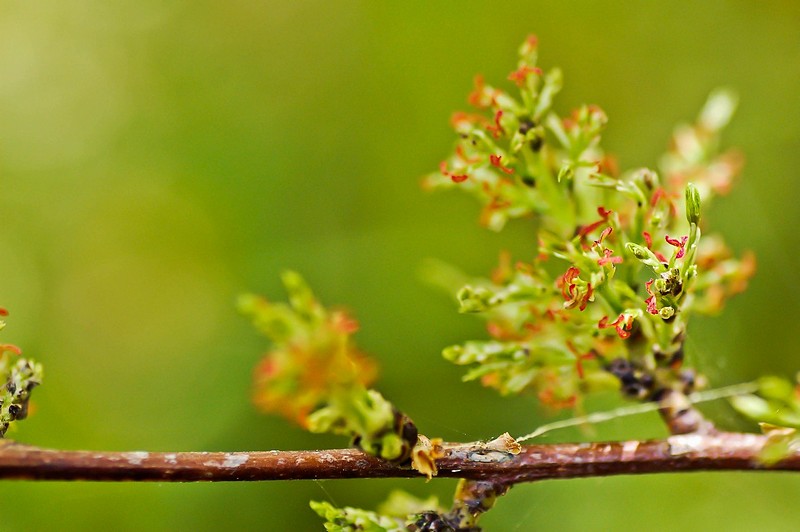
[[688, 452]]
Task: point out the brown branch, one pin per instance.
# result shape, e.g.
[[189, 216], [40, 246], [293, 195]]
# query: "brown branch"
[[688, 452]]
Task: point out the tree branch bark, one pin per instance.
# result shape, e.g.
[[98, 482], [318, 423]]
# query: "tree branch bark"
[[687, 452]]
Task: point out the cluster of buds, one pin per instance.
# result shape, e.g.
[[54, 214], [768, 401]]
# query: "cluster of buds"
[[619, 266], [315, 376], [400, 512], [18, 377]]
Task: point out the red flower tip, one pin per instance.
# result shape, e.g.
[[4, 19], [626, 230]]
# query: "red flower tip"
[[657, 195], [495, 160], [520, 75], [651, 301], [603, 235], [344, 323], [579, 358], [475, 97], [496, 129], [623, 324], [565, 281], [10, 347], [568, 289], [531, 42], [608, 258], [585, 298], [3, 312], [457, 178], [586, 229], [680, 244]]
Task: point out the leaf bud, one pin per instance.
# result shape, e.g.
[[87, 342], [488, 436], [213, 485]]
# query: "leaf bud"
[[666, 312], [692, 204]]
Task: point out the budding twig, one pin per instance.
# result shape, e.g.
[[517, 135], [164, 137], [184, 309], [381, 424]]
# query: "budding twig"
[[687, 452]]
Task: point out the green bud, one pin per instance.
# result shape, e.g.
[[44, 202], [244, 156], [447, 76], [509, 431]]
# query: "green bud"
[[666, 312], [640, 252], [692, 204], [646, 256], [566, 172], [473, 299]]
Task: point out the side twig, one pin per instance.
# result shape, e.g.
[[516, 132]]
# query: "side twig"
[[687, 452]]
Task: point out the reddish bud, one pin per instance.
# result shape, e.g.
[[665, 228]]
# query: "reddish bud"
[[531, 44], [344, 323], [520, 75]]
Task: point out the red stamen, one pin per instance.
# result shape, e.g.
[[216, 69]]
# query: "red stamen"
[[579, 358], [680, 244], [10, 347], [587, 296], [651, 301], [608, 258], [623, 325], [496, 129], [607, 231], [475, 97], [520, 75], [457, 178], [586, 229], [495, 160], [566, 284]]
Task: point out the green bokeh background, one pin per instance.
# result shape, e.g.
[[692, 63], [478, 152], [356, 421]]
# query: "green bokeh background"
[[158, 158]]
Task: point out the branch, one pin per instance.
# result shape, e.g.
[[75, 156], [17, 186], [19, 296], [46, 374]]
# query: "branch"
[[688, 452]]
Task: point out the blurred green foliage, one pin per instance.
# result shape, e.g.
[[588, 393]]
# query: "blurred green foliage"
[[159, 158]]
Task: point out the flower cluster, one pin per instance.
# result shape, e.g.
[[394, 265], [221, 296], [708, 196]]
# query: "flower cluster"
[[315, 377], [18, 377], [619, 265]]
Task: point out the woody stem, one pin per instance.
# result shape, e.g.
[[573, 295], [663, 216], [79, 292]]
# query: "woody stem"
[[686, 452]]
